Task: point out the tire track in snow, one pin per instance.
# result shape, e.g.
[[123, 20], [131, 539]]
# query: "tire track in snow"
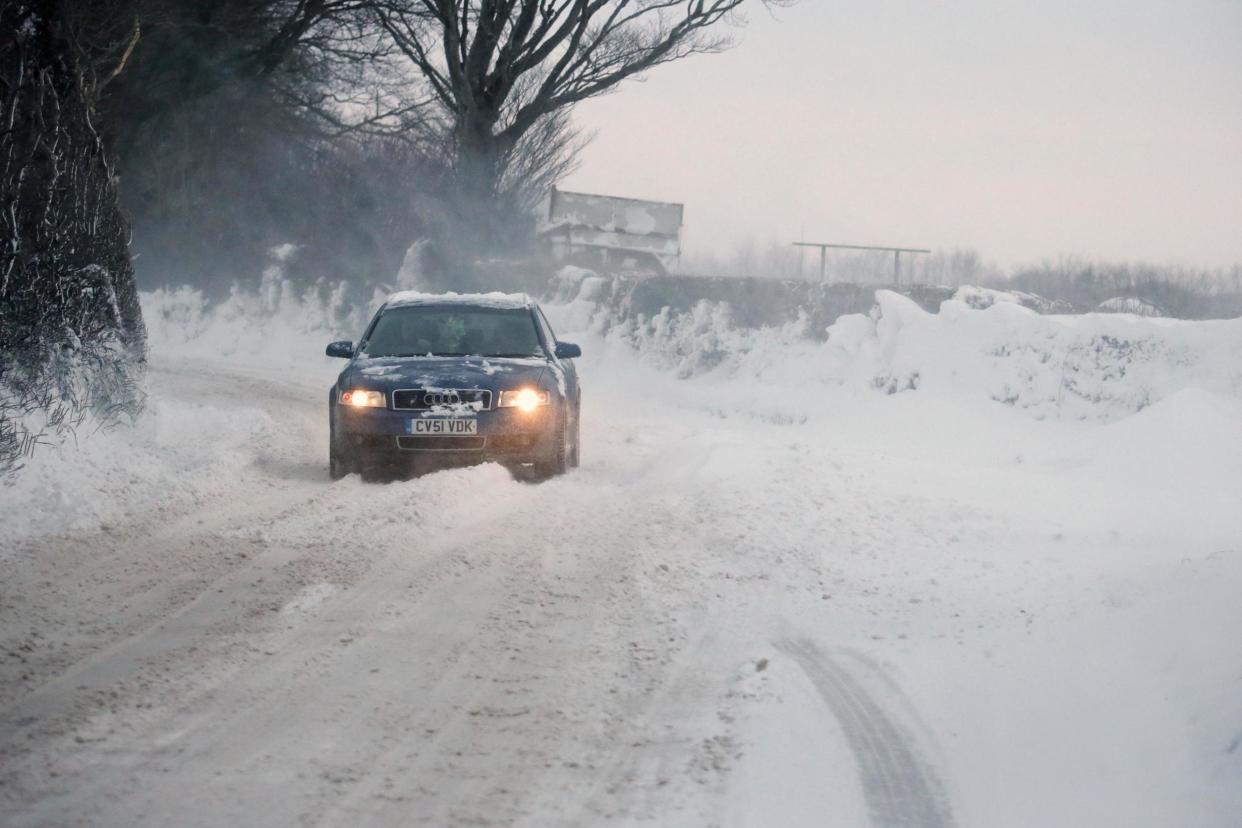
[[901, 788]]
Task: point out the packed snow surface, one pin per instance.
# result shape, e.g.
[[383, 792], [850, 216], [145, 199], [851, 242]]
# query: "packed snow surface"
[[969, 569]]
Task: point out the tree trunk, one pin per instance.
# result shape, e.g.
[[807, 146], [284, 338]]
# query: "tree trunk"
[[490, 223]]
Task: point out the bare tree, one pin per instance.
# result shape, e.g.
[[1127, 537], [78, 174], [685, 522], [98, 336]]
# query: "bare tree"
[[237, 125], [324, 63], [503, 68]]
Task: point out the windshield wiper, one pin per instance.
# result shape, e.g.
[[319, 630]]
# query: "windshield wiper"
[[508, 356]]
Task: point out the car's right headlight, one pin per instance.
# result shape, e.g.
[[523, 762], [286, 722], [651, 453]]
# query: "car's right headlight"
[[525, 400], [359, 398]]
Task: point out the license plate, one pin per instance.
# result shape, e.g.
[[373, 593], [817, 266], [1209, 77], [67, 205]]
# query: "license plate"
[[442, 425]]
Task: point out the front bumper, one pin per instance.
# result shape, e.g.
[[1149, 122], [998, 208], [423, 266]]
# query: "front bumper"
[[379, 435]]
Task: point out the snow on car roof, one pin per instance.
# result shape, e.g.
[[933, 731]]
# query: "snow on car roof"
[[486, 300]]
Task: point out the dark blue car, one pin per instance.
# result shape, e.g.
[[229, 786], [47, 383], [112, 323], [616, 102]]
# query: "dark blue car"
[[457, 378]]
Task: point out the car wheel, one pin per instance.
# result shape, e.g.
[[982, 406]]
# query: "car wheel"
[[338, 466], [575, 448], [559, 462]]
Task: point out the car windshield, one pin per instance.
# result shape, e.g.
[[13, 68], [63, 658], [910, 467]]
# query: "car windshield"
[[419, 330]]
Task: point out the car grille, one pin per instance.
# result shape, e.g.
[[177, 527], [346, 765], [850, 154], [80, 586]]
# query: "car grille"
[[422, 399], [440, 443]]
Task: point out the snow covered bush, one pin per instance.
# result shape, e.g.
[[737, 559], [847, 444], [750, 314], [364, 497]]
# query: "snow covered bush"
[[981, 298], [1094, 366], [1129, 304], [275, 323], [985, 344]]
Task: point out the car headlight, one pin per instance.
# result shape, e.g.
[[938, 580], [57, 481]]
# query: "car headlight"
[[363, 399], [525, 400]]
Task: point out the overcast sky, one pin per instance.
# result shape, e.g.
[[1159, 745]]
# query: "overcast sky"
[[1025, 130]]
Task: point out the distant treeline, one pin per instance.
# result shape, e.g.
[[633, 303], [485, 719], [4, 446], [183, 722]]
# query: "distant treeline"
[[1182, 292], [1173, 290]]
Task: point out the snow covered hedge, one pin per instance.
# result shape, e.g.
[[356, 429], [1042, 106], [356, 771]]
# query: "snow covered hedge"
[[1093, 366], [981, 343], [278, 323]]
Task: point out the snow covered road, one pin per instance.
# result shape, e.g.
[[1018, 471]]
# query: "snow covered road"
[[897, 611]]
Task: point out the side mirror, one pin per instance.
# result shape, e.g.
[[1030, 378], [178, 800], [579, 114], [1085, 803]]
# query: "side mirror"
[[343, 349], [567, 350]]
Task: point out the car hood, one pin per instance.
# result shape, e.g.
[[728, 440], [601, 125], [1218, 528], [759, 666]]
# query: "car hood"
[[493, 373]]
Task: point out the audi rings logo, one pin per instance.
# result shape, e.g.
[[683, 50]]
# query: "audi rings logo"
[[434, 398]]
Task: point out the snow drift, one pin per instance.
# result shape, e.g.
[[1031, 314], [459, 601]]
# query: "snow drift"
[[1097, 366], [982, 344]]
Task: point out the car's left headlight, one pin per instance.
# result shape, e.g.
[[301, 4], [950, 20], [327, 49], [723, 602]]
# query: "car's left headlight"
[[359, 398], [525, 400]]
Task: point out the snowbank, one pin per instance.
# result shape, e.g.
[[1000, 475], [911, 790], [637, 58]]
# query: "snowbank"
[[984, 345], [1097, 366], [183, 447], [176, 454]]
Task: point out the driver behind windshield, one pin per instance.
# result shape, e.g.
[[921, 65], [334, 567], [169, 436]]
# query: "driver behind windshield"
[[447, 331]]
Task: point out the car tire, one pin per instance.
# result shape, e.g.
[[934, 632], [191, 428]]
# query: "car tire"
[[575, 448], [338, 466], [558, 463]]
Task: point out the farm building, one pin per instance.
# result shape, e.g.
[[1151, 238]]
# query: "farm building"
[[612, 234]]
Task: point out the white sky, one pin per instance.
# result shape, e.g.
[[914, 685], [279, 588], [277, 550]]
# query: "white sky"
[[1025, 130]]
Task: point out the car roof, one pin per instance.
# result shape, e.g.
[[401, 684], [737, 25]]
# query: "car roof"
[[479, 300]]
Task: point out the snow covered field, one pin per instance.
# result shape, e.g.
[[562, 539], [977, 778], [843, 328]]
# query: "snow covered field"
[[1005, 593]]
